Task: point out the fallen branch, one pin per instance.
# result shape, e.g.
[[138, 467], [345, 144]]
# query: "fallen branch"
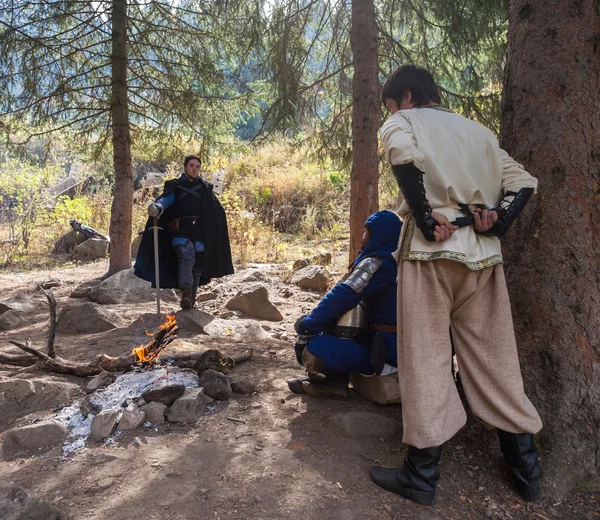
[[36, 359], [52, 327]]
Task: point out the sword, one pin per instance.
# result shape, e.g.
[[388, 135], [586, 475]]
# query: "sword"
[[156, 264]]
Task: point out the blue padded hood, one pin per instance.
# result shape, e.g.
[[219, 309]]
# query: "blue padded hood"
[[385, 227]]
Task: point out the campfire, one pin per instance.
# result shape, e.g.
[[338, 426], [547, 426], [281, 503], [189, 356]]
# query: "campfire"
[[149, 352]]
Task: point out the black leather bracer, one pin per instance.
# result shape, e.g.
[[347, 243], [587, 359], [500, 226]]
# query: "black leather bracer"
[[410, 181], [508, 211]]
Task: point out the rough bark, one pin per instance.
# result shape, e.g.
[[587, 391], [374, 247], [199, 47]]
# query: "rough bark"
[[364, 195], [122, 207], [550, 123]]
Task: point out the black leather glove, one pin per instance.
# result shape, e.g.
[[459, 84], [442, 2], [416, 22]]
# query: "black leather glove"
[[410, 181], [508, 212], [299, 347], [299, 327]]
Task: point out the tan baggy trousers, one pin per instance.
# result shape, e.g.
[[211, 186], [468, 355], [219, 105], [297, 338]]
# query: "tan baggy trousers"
[[434, 297]]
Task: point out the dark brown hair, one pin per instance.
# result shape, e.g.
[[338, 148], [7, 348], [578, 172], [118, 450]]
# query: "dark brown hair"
[[414, 79], [189, 158]]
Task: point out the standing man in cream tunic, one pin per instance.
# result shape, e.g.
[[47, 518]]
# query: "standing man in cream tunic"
[[461, 192]]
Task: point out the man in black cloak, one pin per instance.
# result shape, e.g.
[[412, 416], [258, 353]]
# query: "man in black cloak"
[[192, 237]]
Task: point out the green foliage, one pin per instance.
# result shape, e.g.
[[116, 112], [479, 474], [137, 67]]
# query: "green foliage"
[[23, 195], [184, 68], [284, 189]]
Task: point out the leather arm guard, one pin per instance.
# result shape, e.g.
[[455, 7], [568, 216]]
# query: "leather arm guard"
[[508, 211], [410, 181]]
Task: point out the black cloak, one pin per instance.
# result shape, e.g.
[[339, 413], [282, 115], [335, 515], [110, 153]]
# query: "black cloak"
[[217, 251]]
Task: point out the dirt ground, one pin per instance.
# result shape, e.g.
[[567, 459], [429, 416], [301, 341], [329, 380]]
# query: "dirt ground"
[[283, 457]]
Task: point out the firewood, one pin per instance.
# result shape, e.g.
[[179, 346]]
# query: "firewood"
[[35, 359]]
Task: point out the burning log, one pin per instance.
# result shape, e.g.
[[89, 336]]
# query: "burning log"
[[143, 354]]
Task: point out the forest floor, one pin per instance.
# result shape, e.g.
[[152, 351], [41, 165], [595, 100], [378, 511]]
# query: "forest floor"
[[285, 457]]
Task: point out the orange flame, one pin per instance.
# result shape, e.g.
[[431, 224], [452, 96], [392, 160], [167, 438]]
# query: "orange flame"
[[143, 353]]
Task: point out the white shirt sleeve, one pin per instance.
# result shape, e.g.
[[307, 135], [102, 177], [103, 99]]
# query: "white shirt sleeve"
[[400, 143]]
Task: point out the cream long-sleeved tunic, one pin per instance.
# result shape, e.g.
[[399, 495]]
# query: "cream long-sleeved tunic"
[[462, 164]]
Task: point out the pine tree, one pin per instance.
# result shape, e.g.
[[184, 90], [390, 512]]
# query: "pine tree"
[[551, 106], [112, 71]]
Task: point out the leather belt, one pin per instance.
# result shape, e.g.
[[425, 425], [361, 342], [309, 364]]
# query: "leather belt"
[[383, 328]]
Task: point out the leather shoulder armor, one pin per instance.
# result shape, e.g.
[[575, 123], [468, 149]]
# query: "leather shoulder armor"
[[361, 275]]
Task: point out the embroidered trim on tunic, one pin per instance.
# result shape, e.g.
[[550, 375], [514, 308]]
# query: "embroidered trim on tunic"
[[407, 254], [438, 107]]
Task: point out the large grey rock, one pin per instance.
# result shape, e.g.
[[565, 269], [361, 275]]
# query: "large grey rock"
[[189, 407], [23, 303], [254, 301], [90, 250], [135, 246], [155, 412], [364, 424], [32, 439], [68, 242], [21, 396], [166, 395], [11, 320], [125, 287], [104, 424], [86, 318], [313, 277], [193, 320], [17, 504], [132, 418], [215, 384]]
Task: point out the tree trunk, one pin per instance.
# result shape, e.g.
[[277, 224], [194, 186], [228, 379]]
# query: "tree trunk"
[[364, 195], [550, 123], [122, 207]]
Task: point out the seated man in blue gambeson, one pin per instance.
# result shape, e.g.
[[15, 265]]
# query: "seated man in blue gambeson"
[[353, 329]]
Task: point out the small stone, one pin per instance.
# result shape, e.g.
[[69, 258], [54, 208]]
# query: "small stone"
[[104, 425], [166, 395], [132, 418], [254, 301], [282, 400], [203, 491], [241, 385], [155, 412], [100, 381], [88, 406], [215, 384], [188, 408], [206, 296], [104, 483], [470, 474]]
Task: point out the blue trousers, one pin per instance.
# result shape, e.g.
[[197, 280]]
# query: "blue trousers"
[[189, 265], [347, 356]]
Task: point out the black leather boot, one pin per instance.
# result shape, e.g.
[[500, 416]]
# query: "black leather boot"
[[334, 386], [186, 298], [416, 479], [521, 454]]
